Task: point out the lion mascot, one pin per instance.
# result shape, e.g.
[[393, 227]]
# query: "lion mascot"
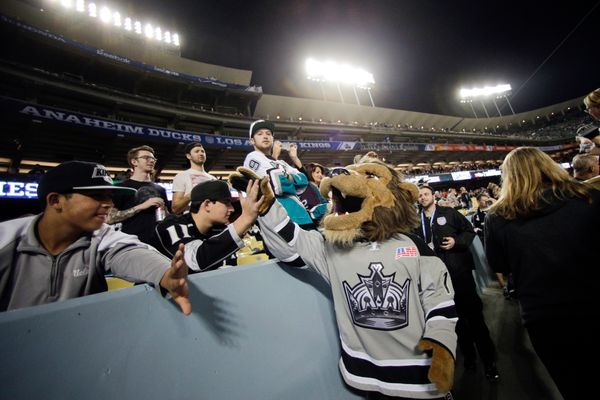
[[393, 298]]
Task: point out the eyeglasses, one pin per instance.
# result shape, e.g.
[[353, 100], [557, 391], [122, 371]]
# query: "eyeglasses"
[[148, 158]]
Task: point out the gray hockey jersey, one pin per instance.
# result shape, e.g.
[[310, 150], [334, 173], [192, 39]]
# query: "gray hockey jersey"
[[387, 297]]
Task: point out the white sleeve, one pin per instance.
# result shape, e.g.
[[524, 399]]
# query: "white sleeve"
[[179, 182], [258, 162], [290, 243]]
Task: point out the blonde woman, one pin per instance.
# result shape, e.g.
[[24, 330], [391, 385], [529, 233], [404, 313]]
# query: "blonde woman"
[[592, 104], [544, 229]]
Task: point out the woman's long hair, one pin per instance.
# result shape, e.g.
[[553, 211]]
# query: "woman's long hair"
[[310, 168], [527, 173]]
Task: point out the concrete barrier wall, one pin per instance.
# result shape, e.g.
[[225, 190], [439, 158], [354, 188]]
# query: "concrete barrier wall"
[[256, 332]]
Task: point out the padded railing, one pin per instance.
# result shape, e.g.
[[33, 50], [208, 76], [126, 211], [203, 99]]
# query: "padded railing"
[[256, 332], [483, 273]]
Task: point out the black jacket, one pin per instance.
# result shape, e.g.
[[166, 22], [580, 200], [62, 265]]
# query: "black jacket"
[[552, 256], [449, 222], [203, 252], [478, 220]]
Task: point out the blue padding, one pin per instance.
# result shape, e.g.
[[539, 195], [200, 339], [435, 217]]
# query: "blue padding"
[[483, 273], [256, 332]]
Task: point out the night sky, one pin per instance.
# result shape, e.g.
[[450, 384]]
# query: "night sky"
[[420, 52]]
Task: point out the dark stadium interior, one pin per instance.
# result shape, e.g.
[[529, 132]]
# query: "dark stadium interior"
[[127, 88], [40, 71], [35, 69]]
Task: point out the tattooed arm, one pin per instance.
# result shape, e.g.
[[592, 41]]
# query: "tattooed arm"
[[115, 215]]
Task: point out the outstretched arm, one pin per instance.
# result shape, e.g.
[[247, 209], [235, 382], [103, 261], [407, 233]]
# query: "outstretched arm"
[[175, 281], [290, 243], [285, 239], [251, 204]]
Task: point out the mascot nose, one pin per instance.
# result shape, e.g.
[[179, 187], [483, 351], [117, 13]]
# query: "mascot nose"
[[338, 171]]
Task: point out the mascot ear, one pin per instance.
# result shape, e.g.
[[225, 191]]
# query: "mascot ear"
[[412, 189]]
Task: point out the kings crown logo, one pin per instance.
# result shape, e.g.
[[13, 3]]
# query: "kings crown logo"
[[378, 302]]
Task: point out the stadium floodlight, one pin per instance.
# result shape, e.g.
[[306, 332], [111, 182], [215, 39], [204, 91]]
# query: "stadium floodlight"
[[331, 71], [105, 15], [92, 10], [149, 31], [486, 93], [117, 19], [498, 90]]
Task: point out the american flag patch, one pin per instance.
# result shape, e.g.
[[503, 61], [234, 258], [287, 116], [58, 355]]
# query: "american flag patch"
[[410, 251]]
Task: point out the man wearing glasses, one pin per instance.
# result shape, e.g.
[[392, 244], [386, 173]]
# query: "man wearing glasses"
[[205, 231], [139, 214]]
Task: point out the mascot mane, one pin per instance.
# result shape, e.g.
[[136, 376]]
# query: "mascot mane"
[[371, 201]]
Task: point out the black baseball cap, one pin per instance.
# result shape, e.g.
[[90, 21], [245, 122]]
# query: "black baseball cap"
[[261, 124], [210, 190], [190, 146], [73, 176]]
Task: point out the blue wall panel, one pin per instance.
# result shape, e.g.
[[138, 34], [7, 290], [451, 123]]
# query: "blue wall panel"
[[256, 332]]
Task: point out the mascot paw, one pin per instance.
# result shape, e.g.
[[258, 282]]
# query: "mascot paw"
[[266, 191], [239, 181], [240, 178], [441, 372]]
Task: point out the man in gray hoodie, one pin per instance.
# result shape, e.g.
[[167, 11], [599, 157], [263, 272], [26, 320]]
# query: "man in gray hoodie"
[[65, 252]]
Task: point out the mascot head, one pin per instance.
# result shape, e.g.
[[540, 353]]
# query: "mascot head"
[[370, 201]]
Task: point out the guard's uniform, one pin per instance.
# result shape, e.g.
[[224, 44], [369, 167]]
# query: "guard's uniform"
[[387, 296], [473, 334]]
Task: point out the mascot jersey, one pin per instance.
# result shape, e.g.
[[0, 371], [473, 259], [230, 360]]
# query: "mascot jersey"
[[286, 190], [387, 296]]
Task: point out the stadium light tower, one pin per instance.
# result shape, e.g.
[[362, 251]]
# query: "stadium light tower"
[[116, 20], [330, 71], [486, 93]]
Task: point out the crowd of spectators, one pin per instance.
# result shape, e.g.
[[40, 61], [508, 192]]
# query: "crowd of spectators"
[[80, 212], [90, 227]]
